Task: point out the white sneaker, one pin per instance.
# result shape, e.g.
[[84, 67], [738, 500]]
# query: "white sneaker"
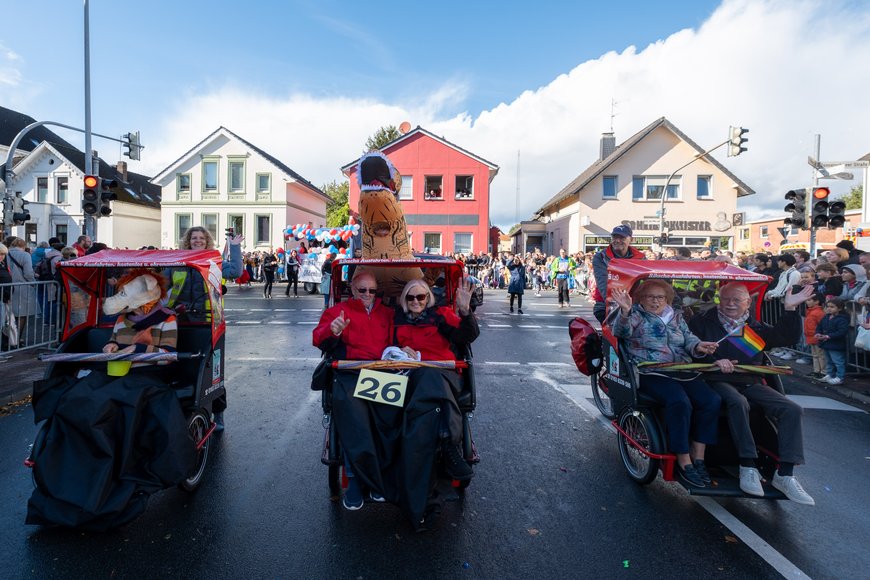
[[786, 355], [776, 352], [827, 379], [792, 489], [750, 481], [835, 381], [803, 361]]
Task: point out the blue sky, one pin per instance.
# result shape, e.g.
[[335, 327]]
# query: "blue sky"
[[309, 80]]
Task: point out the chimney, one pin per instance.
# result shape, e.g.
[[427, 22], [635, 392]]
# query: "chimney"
[[608, 145], [121, 168]]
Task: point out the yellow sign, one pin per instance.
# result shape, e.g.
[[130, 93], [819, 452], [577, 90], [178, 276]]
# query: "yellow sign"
[[378, 387]]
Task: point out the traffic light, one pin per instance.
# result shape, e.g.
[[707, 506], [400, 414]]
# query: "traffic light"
[[132, 145], [108, 194], [819, 210], [91, 195], [797, 208], [19, 212], [736, 140], [836, 217]]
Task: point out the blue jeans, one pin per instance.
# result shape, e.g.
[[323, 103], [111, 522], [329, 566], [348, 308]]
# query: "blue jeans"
[[691, 409], [836, 363]]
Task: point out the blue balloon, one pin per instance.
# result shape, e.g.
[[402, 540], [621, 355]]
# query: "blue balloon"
[[332, 250]]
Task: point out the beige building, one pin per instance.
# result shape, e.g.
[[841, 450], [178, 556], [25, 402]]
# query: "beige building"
[[625, 186]]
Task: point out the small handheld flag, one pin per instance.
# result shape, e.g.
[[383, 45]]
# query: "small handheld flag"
[[748, 341]]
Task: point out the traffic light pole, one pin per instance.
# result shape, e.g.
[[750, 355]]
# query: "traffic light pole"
[[671, 177], [816, 146], [89, 224]]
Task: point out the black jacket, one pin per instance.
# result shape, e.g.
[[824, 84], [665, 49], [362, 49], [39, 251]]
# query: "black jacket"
[[707, 327], [836, 327]]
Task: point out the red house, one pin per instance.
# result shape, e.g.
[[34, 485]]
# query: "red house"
[[445, 192]]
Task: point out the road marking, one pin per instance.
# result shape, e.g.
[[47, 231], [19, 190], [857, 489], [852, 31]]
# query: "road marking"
[[767, 552], [284, 310], [549, 364], [260, 309], [528, 326], [490, 325], [492, 362], [279, 322], [247, 322], [810, 402], [554, 326], [275, 359], [307, 322], [312, 310]]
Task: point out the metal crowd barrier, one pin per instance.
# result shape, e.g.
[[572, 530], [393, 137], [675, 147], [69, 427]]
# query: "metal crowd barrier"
[[39, 313], [857, 360]]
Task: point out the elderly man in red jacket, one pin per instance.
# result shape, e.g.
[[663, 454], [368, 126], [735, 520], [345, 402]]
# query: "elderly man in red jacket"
[[357, 329], [361, 326]]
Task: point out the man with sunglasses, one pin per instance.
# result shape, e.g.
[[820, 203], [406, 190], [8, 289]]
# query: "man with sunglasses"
[[359, 328]]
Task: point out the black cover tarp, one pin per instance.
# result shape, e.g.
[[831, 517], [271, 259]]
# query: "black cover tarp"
[[110, 443], [392, 450]]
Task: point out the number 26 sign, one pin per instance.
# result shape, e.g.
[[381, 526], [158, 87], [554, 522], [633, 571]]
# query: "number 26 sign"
[[378, 387]]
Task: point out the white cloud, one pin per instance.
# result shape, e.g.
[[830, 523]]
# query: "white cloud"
[[786, 70]]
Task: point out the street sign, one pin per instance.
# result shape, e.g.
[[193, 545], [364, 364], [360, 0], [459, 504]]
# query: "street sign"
[[845, 164]]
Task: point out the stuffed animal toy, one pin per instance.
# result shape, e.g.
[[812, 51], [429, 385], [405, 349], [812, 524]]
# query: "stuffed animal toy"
[[143, 325]]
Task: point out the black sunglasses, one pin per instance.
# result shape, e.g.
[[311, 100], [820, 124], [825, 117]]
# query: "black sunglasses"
[[417, 297], [364, 290]]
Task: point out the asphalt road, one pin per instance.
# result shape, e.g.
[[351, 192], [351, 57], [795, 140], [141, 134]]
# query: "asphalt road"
[[549, 499]]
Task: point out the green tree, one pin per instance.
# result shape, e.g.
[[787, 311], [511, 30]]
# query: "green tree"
[[513, 229], [854, 198], [381, 137], [337, 209]]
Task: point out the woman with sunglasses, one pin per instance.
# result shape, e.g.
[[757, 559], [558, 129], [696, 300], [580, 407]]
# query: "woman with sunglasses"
[[652, 330]]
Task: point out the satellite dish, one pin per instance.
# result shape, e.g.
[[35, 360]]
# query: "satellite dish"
[[404, 127]]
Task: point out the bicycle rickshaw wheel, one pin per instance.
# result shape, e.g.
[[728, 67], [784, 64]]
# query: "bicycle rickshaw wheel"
[[198, 426], [640, 427], [602, 401], [335, 481]]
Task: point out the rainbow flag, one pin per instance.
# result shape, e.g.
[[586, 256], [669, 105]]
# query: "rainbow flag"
[[747, 341]]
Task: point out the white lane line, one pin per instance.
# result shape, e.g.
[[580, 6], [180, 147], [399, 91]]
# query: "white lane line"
[[492, 362], [275, 359], [554, 326], [307, 322], [490, 325], [247, 322], [279, 322], [549, 364], [810, 402], [312, 310], [235, 309], [284, 310], [767, 552], [528, 326], [260, 309]]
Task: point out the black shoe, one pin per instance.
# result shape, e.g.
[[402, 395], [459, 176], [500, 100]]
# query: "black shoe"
[[455, 464], [512, 309], [701, 468], [690, 476], [219, 421], [519, 310]]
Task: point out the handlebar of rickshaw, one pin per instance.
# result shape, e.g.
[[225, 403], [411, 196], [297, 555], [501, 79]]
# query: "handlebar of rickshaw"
[[151, 357], [398, 364]]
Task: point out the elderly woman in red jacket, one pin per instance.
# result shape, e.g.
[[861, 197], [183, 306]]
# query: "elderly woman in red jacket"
[[428, 332]]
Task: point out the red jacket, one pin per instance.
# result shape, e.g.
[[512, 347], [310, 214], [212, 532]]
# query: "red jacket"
[[434, 335], [811, 321], [80, 251], [367, 335]]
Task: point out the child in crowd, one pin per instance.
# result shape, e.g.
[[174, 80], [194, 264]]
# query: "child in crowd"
[[813, 315], [830, 283], [831, 335], [808, 278]]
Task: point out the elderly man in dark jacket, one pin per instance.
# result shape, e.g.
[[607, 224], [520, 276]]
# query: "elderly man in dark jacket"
[[747, 338]]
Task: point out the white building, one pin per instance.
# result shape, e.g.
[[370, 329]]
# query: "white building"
[[224, 182], [625, 185], [48, 172]]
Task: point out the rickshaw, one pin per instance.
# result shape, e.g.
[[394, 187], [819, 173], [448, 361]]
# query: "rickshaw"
[[195, 373], [637, 418], [443, 275]]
